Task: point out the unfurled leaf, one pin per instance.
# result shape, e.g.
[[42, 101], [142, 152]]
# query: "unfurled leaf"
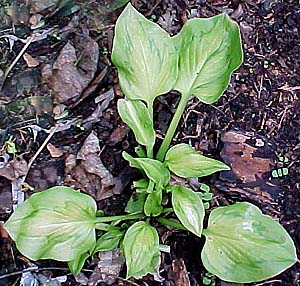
[[153, 203], [141, 249], [209, 50], [243, 245], [185, 162], [109, 240], [144, 55], [155, 170], [136, 203], [76, 265], [54, 224], [188, 207], [136, 115], [132, 161]]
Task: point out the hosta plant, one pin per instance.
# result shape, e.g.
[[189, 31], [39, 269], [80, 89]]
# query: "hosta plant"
[[241, 244]]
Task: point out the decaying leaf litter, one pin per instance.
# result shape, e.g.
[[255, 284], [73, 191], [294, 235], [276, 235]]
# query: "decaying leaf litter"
[[261, 104]]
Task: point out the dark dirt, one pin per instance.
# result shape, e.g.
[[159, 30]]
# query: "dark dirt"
[[257, 119]]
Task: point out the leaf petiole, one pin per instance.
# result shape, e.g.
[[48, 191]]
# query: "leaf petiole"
[[172, 223], [118, 217], [173, 126]]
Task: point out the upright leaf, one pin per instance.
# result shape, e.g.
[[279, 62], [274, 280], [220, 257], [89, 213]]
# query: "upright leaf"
[[189, 208], [185, 162], [141, 249], [144, 55], [54, 224], [209, 50], [155, 171], [153, 203], [109, 240], [76, 265], [243, 245], [136, 115]]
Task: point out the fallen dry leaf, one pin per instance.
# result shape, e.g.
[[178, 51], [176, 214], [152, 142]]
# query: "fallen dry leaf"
[[42, 5], [30, 61], [14, 169], [242, 158], [179, 273], [54, 151], [87, 172], [72, 74], [250, 159], [108, 268]]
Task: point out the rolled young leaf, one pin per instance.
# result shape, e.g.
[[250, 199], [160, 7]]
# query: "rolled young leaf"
[[152, 206], [243, 245], [209, 51], [136, 115], [189, 208], [185, 162], [144, 55], [155, 170], [141, 249], [54, 224]]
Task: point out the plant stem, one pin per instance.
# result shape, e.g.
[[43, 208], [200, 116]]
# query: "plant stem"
[[119, 217], [172, 128], [171, 223], [102, 226], [150, 109]]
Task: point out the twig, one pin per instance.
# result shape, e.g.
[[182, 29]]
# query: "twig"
[[8, 70], [41, 149]]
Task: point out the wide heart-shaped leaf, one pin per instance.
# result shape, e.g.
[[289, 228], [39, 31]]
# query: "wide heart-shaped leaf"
[[243, 245], [189, 208], [185, 162], [209, 51], [144, 55], [54, 224], [141, 249], [136, 115]]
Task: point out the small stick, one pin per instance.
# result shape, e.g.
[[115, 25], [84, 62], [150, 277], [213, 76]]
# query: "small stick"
[[8, 70]]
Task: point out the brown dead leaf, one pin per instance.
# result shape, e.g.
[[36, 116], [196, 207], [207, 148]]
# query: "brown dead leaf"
[[87, 172], [14, 169], [30, 61], [42, 5], [250, 159], [54, 151], [72, 74], [244, 163], [108, 268], [179, 273]]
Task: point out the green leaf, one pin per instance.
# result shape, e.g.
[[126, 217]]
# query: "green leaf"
[[153, 203], [132, 161], [209, 51], [109, 240], [155, 171], [136, 203], [76, 265], [136, 115], [243, 245], [185, 162], [141, 249], [145, 57], [54, 224], [188, 207]]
